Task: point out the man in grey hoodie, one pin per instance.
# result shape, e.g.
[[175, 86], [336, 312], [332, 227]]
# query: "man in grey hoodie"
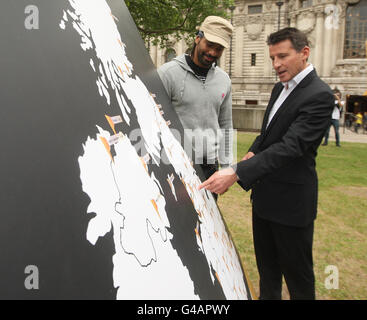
[[201, 94]]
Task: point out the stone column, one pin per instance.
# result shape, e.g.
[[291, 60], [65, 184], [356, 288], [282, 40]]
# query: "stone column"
[[293, 21], [179, 48], [327, 52], [319, 40], [237, 53], [160, 56], [341, 31], [268, 29], [153, 54], [335, 47]]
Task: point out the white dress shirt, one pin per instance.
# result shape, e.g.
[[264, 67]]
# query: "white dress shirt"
[[288, 88]]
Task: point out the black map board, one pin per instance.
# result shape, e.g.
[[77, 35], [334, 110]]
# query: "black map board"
[[49, 105]]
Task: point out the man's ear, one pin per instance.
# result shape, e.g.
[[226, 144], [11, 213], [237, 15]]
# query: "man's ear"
[[197, 40], [306, 52]]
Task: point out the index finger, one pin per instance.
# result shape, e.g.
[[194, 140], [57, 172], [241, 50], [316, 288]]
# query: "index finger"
[[205, 184]]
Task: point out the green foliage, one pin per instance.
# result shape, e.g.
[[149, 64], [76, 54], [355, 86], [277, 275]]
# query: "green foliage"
[[158, 19]]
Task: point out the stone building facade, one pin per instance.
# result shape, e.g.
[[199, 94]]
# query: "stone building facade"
[[337, 30]]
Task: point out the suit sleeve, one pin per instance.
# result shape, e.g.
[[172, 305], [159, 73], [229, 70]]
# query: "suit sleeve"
[[255, 145], [309, 126]]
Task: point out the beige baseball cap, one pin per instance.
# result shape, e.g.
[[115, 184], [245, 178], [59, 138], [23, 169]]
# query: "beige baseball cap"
[[217, 30]]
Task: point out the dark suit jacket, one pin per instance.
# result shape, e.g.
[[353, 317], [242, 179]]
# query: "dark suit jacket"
[[282, 173]]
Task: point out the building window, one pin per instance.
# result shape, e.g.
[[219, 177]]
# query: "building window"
[[253, 59], [356, 31], [170, 54], [306, 3], [255, 9]]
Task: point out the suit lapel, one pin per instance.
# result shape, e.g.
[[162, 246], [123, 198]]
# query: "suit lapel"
[[288, 102], [273, 98]]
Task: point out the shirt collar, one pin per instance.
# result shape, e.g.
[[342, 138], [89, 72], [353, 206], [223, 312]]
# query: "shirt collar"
[[299, 77]]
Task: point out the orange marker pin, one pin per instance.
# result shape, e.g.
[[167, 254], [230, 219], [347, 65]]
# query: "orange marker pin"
[[127, 68], [107, 146], [217, 276], [156, 208]]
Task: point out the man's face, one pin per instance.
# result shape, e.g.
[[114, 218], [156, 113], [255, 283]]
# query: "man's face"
[[206, 52], [287, 62]]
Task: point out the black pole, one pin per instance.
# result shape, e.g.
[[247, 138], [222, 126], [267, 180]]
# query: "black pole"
[[279, 4]]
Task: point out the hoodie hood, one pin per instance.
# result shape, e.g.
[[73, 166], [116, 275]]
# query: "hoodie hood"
[[181, 60]]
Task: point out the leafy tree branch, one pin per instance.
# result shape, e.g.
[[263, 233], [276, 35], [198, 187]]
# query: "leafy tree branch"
[[160, 20]]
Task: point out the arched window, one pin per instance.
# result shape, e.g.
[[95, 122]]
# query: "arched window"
[[356, 30], [170, 54]]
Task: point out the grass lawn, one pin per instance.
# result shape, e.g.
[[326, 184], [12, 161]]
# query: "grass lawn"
[[340, 238]]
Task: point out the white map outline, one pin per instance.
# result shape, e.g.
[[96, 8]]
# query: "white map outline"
[[145, 264]]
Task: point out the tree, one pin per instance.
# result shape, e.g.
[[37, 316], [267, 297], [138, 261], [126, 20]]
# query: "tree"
[[159, 19]]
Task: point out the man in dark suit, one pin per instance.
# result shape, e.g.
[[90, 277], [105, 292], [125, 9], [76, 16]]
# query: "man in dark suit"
[[280, 170]]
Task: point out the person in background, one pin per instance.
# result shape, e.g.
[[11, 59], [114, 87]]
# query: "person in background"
[[335, 118], [358, 122], [365, 121]]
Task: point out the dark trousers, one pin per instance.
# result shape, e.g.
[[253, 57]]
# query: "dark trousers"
[[209, 170], [284, 251]]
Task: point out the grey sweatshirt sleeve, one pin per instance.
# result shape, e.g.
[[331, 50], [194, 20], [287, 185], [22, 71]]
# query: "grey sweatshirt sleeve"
[[226, 124], [165, 75]]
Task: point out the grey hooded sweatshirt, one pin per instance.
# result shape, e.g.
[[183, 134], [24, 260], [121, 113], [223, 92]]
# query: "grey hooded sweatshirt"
[[205, 110]]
